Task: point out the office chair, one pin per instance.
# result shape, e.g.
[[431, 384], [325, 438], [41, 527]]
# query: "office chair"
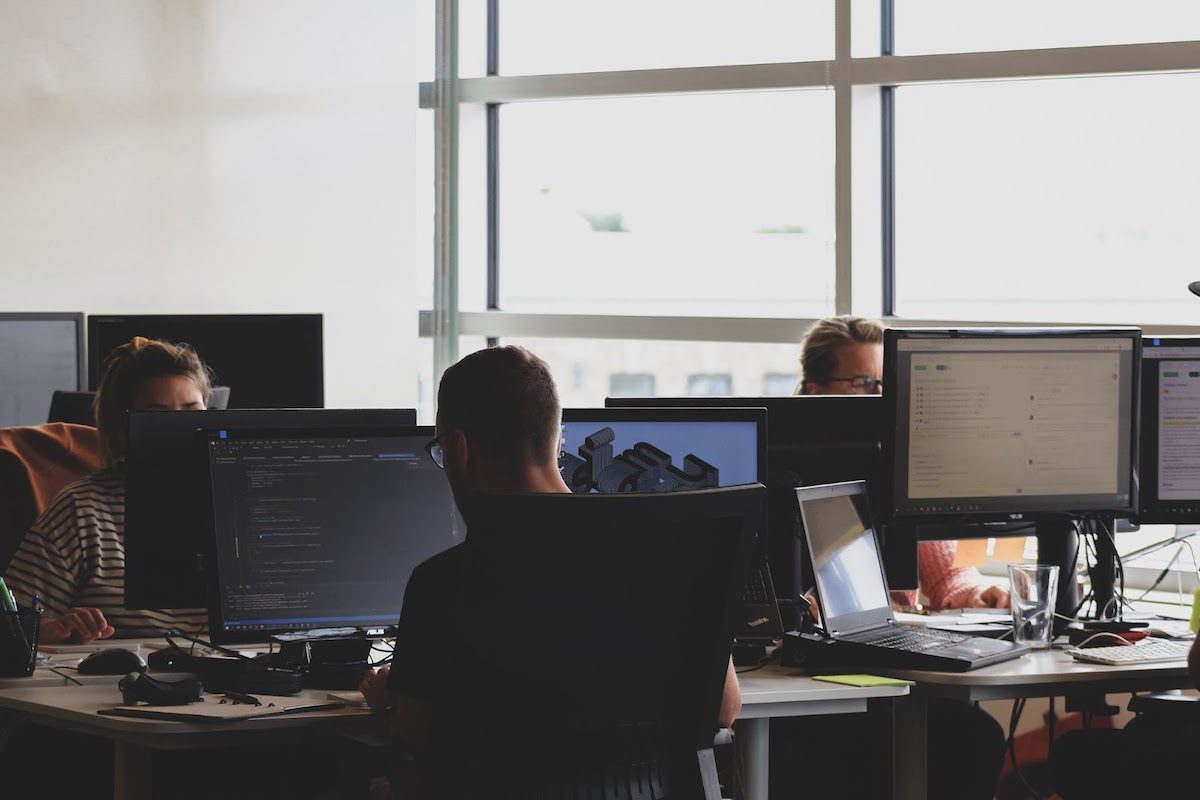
[[36, 463], [595, 639], [218, 398]]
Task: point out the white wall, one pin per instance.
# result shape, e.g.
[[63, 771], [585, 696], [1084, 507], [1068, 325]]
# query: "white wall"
[[218, 156]]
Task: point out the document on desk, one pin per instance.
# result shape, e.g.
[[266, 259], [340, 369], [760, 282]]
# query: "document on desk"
[[212, 709]]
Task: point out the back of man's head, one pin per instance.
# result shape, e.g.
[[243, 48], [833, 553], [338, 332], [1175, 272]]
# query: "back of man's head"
[[505, 401]]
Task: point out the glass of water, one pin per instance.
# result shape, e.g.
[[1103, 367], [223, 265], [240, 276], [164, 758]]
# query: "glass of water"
[[1034, 588]]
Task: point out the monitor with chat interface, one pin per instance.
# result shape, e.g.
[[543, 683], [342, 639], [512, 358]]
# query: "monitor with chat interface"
[[1170, 451], [40, 353], [319, 530], [656, 450], [1012, 423]]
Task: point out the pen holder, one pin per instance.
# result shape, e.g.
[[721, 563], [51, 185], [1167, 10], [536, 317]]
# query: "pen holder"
[[18, 641]]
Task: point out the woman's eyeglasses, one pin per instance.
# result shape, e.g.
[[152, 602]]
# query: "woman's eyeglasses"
[[861, 384]]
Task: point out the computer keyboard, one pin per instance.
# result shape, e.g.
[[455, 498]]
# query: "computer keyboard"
[[756, 590], [1147, 651], [911, 638]]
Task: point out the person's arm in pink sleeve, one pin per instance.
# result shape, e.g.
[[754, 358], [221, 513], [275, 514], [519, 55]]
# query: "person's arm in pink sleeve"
[[948, 586]]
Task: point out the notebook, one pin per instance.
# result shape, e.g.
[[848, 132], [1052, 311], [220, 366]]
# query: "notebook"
[[852, 594], [215, 708]]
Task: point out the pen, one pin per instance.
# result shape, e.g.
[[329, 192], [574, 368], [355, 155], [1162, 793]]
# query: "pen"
[[243, 698], [6, 597]]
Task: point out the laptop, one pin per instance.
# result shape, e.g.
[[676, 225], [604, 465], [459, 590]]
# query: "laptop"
[[852, 594]]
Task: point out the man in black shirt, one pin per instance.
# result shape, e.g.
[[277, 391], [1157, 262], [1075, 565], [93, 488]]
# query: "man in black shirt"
[[499, 426]]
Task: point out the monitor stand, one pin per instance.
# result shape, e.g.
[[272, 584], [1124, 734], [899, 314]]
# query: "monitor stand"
[[1058, 545], [1104, 578]]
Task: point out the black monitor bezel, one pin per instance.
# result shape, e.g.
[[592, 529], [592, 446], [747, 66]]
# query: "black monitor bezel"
[[95, 358], [650, 415], [216, 620], [1016, 512], [1152, 510], [81, 353]]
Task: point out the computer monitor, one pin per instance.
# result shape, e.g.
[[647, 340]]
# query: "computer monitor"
[[40, 353], [812, 440], [268, 360], [321, 529], [1170, 444], [1010, 424], [661, 450], [168, 539]]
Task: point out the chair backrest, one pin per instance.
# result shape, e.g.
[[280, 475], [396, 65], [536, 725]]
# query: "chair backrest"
[[218, 398], [36, 463], [596, 627], [73, 407]]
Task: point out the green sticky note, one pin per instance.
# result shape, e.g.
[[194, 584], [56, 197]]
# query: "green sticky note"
[[863, 680]]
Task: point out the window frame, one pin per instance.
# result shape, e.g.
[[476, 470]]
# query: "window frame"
[[864, 166]]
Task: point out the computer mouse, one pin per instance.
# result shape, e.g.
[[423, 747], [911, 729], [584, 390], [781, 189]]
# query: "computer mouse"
[[112, 661]]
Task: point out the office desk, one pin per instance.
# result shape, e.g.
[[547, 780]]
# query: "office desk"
[[1042, 673], [775, 691], [134, 740]]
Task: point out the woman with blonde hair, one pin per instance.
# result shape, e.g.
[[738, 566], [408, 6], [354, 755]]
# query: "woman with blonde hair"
[[73, 558]]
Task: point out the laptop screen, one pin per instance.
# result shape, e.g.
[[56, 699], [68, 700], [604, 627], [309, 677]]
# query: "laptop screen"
[[851, 587]]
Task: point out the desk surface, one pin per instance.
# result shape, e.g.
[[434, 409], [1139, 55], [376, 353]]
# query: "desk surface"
[[775, 691], [1043, 673], [75, 707]]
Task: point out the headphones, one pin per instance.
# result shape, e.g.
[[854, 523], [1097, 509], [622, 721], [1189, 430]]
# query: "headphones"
[[138, 686]]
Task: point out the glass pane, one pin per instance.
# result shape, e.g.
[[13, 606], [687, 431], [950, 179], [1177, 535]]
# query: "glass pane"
[[625, 384], [718, 205], [588, 370], [545, 36], [954, 26], [710, 385], [426, 390], [1052, 200]]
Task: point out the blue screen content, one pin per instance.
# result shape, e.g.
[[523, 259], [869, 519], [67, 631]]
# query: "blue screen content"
[[608, 456]]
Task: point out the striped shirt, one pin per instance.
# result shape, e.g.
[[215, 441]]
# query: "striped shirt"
[[74, 557]]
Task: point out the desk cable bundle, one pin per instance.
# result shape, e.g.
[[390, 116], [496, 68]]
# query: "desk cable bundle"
[[239, 672]]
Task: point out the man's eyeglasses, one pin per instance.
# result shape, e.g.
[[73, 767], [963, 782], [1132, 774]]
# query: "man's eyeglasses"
[[434, 448], [861, 384]]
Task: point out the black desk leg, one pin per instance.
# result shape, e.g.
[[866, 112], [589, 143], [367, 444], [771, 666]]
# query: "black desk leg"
[[910, 743], [133, 772]]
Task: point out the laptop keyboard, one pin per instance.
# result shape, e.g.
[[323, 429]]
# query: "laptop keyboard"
[[912, 639]]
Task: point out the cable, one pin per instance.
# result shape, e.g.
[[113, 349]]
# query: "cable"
[[1014, 718], [1120, 639]]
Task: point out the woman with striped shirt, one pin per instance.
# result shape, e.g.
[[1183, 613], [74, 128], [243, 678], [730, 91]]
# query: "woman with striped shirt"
[[73, 558]]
